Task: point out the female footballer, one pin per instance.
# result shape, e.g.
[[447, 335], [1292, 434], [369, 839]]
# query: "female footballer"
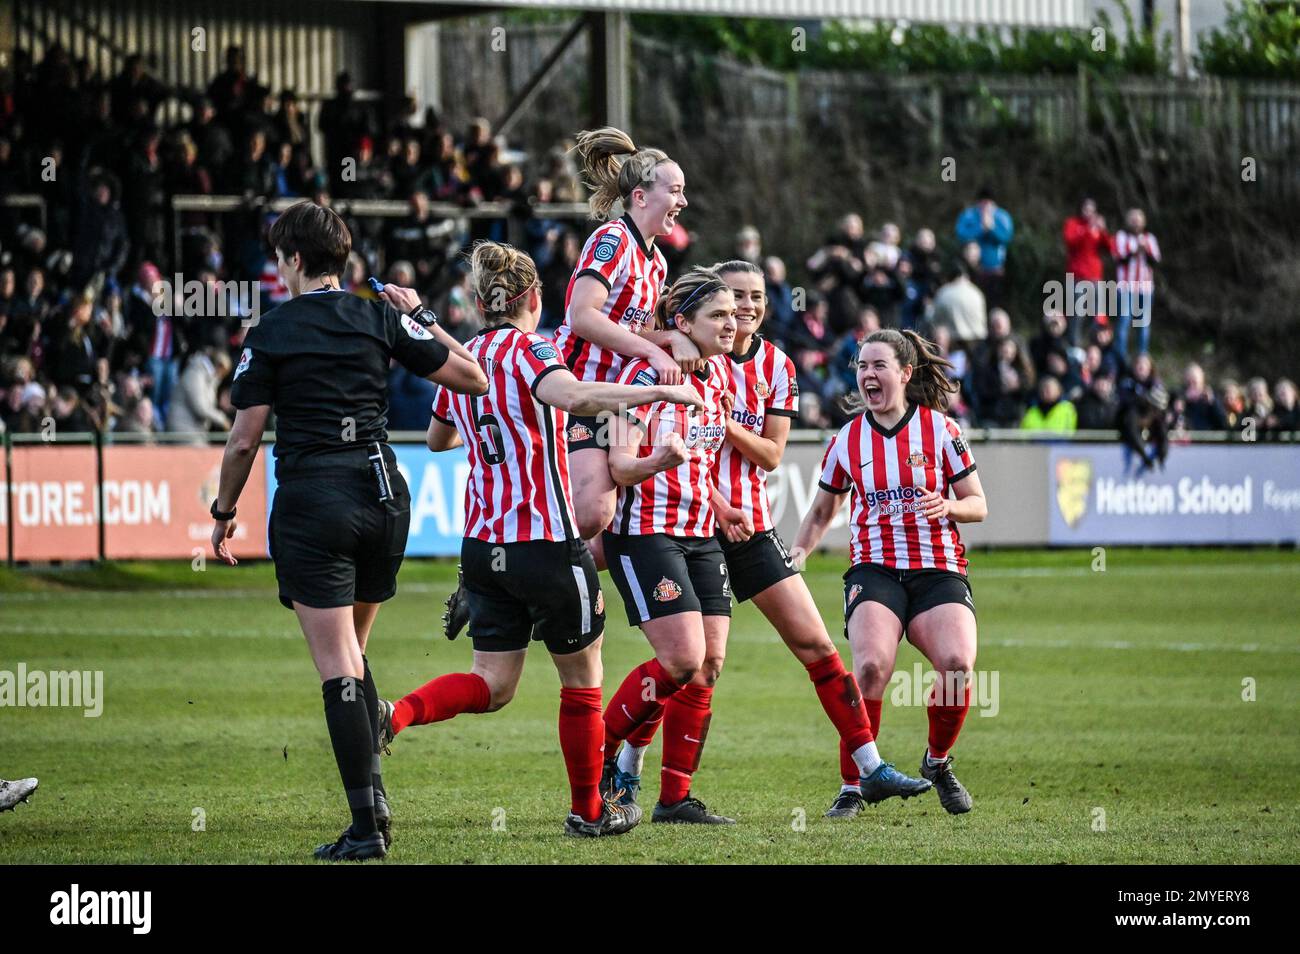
[[765, 399], [527, 573], [662, 550], [899, 459], [610, 307]]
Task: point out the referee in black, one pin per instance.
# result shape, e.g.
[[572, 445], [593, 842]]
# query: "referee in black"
[[341, 513]]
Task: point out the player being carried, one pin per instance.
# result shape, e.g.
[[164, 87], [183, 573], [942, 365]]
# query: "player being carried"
[[609, 309]]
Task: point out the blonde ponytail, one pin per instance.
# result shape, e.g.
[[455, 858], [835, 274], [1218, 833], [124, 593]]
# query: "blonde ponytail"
[[610, 179]]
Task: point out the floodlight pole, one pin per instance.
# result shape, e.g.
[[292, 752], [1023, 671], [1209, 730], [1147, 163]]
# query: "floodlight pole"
[[610, 59]]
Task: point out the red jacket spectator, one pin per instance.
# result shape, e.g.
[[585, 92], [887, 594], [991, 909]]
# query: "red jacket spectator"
[[1086, 239]]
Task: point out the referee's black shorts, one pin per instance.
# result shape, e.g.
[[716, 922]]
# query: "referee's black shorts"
[[907, 593], [658, 575], [756, 564], [546, 590], [333, 541]]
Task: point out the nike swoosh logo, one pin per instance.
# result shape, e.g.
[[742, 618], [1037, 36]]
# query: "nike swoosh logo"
[[625, 712], [689, 739], [866, 462]]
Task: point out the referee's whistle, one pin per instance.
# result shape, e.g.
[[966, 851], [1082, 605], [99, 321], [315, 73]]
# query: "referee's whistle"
[[375, 285]]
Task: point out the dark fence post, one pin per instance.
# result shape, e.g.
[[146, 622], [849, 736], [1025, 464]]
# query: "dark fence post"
[[9, 499], [99, 488]]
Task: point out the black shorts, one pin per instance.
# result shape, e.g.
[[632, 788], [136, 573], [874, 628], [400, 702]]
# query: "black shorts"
[[539, 589], [757, 563], [906, 592], [587, 432], [658, 575], [333, 541]]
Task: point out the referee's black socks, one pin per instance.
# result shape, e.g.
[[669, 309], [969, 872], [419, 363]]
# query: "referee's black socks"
[[353, 741], [372, 708]]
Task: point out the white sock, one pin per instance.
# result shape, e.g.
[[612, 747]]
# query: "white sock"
[[846, 787], [931, 760], [630, 758], [868, 759]]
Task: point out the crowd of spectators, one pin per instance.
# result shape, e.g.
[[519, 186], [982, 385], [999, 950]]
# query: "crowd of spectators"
[[83, 345]]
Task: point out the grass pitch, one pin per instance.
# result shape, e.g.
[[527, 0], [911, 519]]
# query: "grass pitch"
[[1121, 735]]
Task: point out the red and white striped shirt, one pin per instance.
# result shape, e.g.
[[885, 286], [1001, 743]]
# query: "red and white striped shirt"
[[887, 470], [676, 501], [763, 383], [634, 273], [518, 486], [1134, 255]]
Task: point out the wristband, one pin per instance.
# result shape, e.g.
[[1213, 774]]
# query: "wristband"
[[221, 515]]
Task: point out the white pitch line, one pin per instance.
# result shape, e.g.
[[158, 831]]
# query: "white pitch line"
[[765, 637], [990, 573]]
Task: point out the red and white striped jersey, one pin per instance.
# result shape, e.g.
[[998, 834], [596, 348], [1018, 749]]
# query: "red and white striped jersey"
[[1135, 270], [676, 502], [887, 470], [763, 383], [518, 486], [634, 273]]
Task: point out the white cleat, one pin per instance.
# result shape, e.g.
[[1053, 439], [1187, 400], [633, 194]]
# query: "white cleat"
[[11, 793]]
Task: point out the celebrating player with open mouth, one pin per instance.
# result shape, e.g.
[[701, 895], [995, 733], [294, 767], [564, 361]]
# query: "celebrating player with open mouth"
[[899, 458], [663, 555], [765, 400], [609, 308], [528, 575]]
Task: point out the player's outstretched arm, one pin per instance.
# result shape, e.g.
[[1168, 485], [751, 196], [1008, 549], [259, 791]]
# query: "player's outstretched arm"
[[814, 526], [561, 389]]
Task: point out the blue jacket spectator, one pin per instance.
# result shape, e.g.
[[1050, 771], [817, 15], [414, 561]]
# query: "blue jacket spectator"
[[991, 227]]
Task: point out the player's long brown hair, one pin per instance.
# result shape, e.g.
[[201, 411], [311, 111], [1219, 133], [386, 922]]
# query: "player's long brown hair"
[[686, 295], [501, 276], [610, 177], [929, 386]]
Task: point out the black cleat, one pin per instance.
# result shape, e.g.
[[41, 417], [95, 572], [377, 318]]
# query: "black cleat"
[[607, 777], [689, 811], [615, 819], [457, 616], [847, 804], [351, 847], [386, 733], [384, 819], [11, 793], [952, 794]]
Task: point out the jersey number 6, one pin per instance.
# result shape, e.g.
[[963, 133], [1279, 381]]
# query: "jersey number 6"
[[490, 444]]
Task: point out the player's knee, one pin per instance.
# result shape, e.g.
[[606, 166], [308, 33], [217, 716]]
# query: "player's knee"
[[682, 668], [872, 674], [711, 669], [594, 515], [955, 663], [500, 695]]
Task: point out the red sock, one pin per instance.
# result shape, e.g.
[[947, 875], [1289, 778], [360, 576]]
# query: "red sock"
[[945, 721], [644, 734], [848, 767], [838, 692], [441, 699], [644, 690], [686, 726], [582, 738]]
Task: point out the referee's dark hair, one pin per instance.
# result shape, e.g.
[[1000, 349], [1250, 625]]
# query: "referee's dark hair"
[[315, 232]]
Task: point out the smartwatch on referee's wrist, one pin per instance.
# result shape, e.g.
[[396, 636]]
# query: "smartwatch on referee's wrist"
[[220, 514], [425, 316]]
